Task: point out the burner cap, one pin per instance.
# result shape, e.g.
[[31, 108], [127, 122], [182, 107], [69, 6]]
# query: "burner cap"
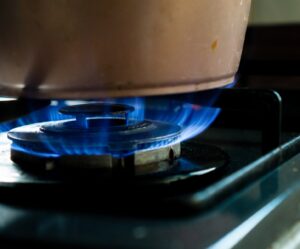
[[97, 109], [85, 111]]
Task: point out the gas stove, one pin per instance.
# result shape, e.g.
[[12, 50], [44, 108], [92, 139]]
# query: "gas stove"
[[149, 183], [115, 138]]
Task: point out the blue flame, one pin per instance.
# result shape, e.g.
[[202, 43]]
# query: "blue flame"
[[50, 113], [192, 118]]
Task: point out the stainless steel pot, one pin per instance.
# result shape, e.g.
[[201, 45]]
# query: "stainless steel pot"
[[112, 48]]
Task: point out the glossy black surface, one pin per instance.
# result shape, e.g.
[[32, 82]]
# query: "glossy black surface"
[[223, 209], [226, 222]]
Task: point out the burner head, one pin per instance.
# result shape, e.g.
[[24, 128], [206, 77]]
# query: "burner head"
[[102, 136], [85, 111], [97, 109]]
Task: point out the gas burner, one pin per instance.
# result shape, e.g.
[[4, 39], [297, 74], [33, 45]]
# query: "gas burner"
[[102, 136]]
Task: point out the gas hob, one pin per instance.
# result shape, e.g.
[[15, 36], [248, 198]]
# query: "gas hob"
[[231, 181]]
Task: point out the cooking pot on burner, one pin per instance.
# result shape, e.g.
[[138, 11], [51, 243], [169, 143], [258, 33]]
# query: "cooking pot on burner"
[[113, 48]]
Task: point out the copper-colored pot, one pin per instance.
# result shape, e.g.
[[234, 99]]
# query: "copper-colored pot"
[[113, 48]]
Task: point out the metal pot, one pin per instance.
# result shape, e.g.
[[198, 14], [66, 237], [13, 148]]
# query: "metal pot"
[[113, 48]]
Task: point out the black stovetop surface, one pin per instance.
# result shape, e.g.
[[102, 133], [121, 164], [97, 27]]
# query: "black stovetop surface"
[[258, 183], [207, 216]]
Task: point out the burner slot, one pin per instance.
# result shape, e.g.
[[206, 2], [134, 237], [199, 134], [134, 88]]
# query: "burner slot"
[[82, 121]]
